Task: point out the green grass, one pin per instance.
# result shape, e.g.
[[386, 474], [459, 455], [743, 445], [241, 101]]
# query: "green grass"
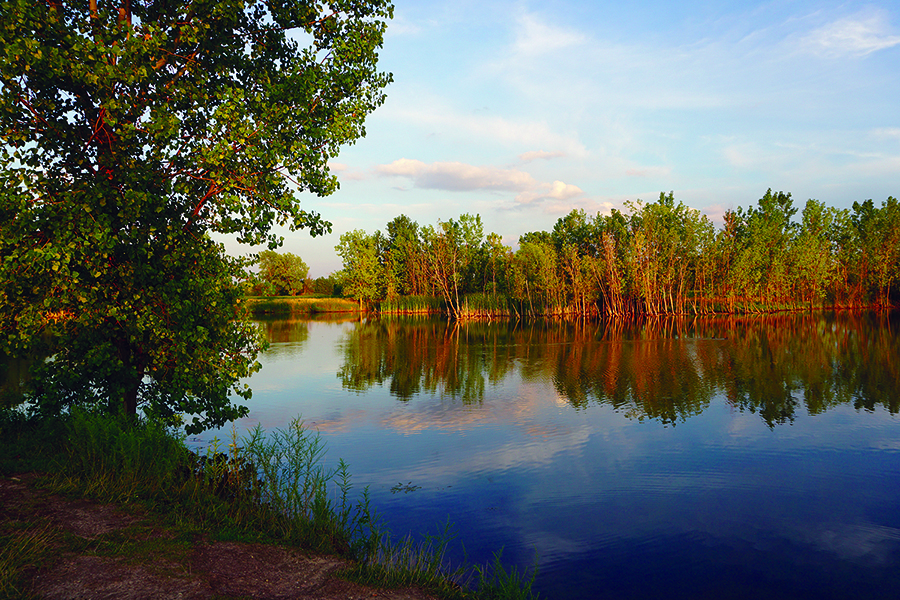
[[264, 487], [482, 305], [494, 582], [298, 305], [406, 561], [22, 549], [412, 305]]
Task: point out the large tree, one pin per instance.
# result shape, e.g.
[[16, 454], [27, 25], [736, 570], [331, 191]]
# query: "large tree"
[[130, 130], [284, 271], [362, 268]]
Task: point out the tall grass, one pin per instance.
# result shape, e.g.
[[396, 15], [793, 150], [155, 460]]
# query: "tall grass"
[[484, 306], [298, 305], [117, 460], [271, 487], [407, 561], [411, 305], [21, 550], [494, 582], [288, 476]]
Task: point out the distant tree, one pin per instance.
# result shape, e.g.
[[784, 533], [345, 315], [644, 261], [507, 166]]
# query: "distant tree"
[[286, 272], [815, 264], [362, 270], [328, 286], [878, 235], [454, 256], [402, 258], [534, 279]]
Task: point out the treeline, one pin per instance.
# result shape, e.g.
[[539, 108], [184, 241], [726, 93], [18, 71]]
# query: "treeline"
[[656, 258]]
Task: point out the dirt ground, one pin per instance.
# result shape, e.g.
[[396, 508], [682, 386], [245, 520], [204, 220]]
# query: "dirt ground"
[[99, 551]]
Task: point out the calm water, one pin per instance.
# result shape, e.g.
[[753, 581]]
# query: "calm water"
[[754, 458]]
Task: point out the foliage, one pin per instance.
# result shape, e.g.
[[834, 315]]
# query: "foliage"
[[411, 305], [129, 132], [658, 258], [402, 259], [287, 307], [326, 286], [284, 271], [454, 256], [360, 275]]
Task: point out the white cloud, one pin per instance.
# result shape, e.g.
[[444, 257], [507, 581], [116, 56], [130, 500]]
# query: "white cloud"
[[852, 36], [461, 177], [648, 172], [527, 157], [535, 37], [716, 213], [887, 132], [557, 190], [457, 176], [557, 208], [344, 172], [435, 115]]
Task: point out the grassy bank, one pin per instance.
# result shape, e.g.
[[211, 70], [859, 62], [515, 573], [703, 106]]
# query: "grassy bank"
[[270, 488], [288, 306]]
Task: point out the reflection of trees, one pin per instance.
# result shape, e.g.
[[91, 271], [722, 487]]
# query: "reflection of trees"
[[640, 369], [414, 356], [664, 369], [287, 336], [776, 365]]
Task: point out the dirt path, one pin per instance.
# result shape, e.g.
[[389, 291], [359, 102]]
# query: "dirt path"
[[97, 551]]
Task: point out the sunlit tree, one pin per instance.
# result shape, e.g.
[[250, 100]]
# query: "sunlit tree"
[[130, 131]]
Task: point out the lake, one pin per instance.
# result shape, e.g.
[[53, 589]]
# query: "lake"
[[713, 458]]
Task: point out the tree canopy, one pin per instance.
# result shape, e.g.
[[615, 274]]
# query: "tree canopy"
[[283, 271], [130, 131], [657, 258]]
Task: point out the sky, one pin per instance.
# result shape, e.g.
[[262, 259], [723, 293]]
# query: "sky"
[[524, 111]]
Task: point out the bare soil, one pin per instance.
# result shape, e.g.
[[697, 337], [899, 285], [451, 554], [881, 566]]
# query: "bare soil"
[[99, 551]]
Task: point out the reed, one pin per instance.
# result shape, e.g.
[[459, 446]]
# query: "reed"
[[288, 306], [411, 305]]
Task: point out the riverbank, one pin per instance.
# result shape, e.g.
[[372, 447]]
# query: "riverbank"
[[94, 504], [70, 547]]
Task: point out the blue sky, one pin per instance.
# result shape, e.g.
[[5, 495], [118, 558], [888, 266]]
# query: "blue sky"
[[522, 111]]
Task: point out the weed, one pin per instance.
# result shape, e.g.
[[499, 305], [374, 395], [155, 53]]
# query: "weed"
[[19, 551], [494, 582], [409, 562]]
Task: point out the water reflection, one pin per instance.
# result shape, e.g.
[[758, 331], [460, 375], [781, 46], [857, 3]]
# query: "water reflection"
[[665, 369], [630, 457], [413, 356], [286, 336]]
